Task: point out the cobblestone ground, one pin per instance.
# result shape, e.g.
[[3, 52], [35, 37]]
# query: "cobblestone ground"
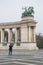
[[21, 57]]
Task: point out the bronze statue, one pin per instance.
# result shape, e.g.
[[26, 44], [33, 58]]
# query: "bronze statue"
[[28, 11]]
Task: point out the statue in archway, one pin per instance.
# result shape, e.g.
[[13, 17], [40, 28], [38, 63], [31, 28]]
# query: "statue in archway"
[[5, 41]]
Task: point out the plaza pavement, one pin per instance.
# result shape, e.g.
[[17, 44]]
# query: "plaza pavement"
[[21, 57]]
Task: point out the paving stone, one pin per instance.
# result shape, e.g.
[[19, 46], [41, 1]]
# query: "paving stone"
[[21, 57]]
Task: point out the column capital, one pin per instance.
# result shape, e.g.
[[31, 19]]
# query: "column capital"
[[10, 28], [2, 29]]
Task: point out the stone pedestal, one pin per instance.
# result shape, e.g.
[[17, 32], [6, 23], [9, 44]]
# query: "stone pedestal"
[[27, 18]]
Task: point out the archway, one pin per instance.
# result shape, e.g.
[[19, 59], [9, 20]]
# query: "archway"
[[6, 36]]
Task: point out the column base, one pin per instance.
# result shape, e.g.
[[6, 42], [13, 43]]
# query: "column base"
[[26, 46]]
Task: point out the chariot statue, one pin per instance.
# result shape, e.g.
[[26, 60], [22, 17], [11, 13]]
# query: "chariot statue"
[[28, 11]]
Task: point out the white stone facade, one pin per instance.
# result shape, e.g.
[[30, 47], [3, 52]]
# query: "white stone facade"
[[25, 33]]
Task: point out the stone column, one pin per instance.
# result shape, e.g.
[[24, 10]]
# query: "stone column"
[[16, 35], [34, 35], [29, 34], [24, 33], [10, 35], [2, 35]]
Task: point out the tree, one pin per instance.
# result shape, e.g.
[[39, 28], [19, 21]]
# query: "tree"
[[28, 11], [39, 40]]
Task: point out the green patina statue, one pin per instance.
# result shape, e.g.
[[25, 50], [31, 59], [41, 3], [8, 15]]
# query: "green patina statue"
[[5, 40], [28, 11]]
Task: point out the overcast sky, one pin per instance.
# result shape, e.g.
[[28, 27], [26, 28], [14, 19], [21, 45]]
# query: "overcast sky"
[[11, 10]]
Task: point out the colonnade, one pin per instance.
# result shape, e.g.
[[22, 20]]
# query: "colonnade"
[[9, 35], [23, 33]]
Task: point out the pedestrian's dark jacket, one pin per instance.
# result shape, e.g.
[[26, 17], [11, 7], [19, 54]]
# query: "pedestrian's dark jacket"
[[10, 47]]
